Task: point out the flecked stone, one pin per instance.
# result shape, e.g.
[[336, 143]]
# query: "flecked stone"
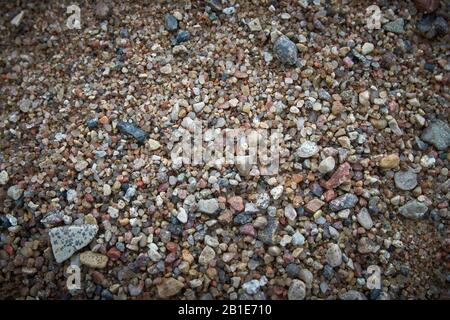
[[208, 254], [15, 192], [339, 176], [285, 50], [169, 288], [4, 178], [307, 149], [237, 203], [365, 219], [208, 206], [438, 134], [170, 22], [267, 235], [405, 180], [93, 259], [290, 213], [413, 209], [327, 165], [346, 201], [334, 255], [352, 295], [132, 130], [297, 290], [67, 240], [396, 26]]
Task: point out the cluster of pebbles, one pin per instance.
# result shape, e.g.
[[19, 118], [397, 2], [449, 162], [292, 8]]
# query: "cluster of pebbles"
[[89, 118]]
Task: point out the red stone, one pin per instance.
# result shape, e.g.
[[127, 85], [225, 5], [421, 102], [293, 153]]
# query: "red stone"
[[339, 176], [9, 249], [237, 203], [113, 253], [248, 230], [329, 195]]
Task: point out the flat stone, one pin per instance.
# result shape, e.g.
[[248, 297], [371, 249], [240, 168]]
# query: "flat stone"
[[15, 192], [208, 206], [290, 213], [339, 176], [397, 26], [208, 254], [314, 205], [437, 134], [405, 180], [389, 162], [365, 219], [346, 201], [132, 130], [285, 50], [254, 25], [307, 149], [297, 290], [102, 10], [169, 288], [267, 235], [67, 240], [334, 255], [93, 259], [170, 22], [413, 209], [327, 165]]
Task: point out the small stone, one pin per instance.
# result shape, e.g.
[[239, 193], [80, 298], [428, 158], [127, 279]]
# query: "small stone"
[[346, 201], [396, 26], [67, 240], [285, 50], [237, 203], [366, 245], [106, 190], [327, 165], [314, 205], [367, 48], [113, 212], [413, 209], [17, 19], [254, 25], [102, 10], [277, 192], [437, 134], [208, 254], [307, 149], [4, 177], [182, 36], [182, 215], [169, 288], [132, 130], [352, 295], [390, 161], [405, 180], [340, 176], [15, 192], [365, 219], [297, 290], [251, 287], [334, 255], [170, 22], [166, 69], [298, 239], [25, 105], [290, 213], [93, 260], [208, 206], [153, 144]]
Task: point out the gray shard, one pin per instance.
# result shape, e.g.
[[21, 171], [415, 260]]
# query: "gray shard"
[[346, 201], [132, 130], [413, 209], [285, 50], [437, 134], [67, 240]]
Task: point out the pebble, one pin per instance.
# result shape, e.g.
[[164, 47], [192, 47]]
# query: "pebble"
[[307, 149], [93, 260], [297, 290], [438, 134], [334, 255], [208, 206], [169, 288], [254, 25], [132, 130], [208, 254], [405, 180], [367, 48], [413, 209], [364, 219], [327, 165], [4, 177], [170, 22], [15, 192], [346, 201], [390, 162], [285, 50], [396, 26], [290, 213], [66, 240]]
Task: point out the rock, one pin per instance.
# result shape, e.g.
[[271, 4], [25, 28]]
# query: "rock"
[[14, 192], [93, 259], [208, 254], [132, 130], [263, 201], [71, 195], [182, 36], [431, 26], [277, 192], [102, 10], [290, 213], [334, 255], [298, 239], [366, 245], [17, 19], [67, 240], [237, 203], [365, 219], [113, 212], [405, 180], [367, 48], [413, 209], [427, 5], [153, 144], [267, 235], [346, 201], [254, 25], [396, 26], [52, 219], [437, 134], [352, 295], [339, 176], [216, 5], [169, 288], [327, 165], [307, 149], [170, 22], [314, 205], [307, 277], [166, 69], [81, 165], [297, 290], [390, 161], [208, 206], [4, 177], [427, 161], [182, 215], [25, 105], [285, 50], [251, 287], [293, 270]]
